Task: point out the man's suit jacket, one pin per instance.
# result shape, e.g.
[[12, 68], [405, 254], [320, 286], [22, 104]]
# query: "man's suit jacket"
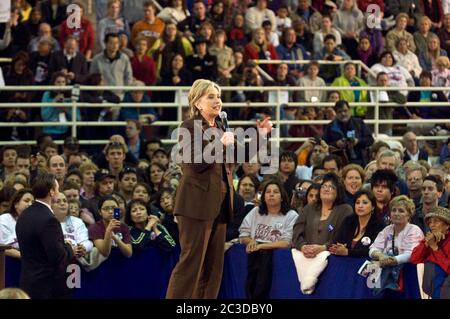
[[44, 254], [423, 155], [78, 65]]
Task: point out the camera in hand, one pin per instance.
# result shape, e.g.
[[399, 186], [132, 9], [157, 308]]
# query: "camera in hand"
[[117, 213], [300, 192], [350, 141]]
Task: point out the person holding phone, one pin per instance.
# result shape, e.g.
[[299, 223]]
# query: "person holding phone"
[[109, 232]]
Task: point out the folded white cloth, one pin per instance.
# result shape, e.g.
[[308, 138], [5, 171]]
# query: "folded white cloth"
[[309, 269]]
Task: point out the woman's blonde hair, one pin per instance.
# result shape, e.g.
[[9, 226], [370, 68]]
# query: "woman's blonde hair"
[[13, 293], [353, 167], [444, 61], [199, 89], [404, 201]]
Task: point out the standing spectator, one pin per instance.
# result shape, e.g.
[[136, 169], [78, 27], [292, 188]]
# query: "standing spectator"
[[353, 178], [21, 200], [112, 23], [383, 187], [109, 232], [151, 27], [33, 23], [15, 36], [84, 34], [399, 32], [330, 52], [44, 254], [266, 227], [145, 229], [434, 251], [114, 66], [412, 150], [70, 62], [358, 230], [40, 62]]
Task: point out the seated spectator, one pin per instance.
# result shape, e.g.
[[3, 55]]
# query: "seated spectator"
[[422, 36], [291, 51], [266, 227], [428, 58], [191, 25], [109, 232], [156, 172], [398, 75], [32, 25], [201, 64], [441, 74], [114, 22], [406, 58], [73, 228], [217, 14], [40, 63], [350, 79], [260, 49], [434, 251], [175, 12], [271, 36], [312, 231], [14, 35], [45, 32], [365, 52], [299, 197], [312, 79], [444, 34], [330, 52], [237, 37], [412, 150], [57, 114], [427, 96], [399, 32], [327, 28], [145, 114], [349, 21], [283, 19], [84, 34], [376, 39], [70, 62], [349, 134], [207, 31], [256, 15], [433, 10], [394, 244], [358, 230], [308, 13], [19, 202], [146, 230], [304, 35]]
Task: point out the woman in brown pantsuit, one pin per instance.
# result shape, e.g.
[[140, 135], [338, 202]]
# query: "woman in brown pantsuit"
[[203, 204]]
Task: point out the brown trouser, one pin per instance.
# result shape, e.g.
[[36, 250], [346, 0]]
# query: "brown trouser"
[[198, 273]]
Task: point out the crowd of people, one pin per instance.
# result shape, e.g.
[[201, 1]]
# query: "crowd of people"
[[340, 192]]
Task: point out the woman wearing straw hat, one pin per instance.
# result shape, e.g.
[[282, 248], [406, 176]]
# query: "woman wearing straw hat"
[[434, 251]]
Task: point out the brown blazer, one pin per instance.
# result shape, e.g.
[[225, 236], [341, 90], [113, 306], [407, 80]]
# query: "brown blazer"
[[199, 193]]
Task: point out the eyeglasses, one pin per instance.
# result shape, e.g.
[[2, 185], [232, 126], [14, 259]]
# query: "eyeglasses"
[[328, 186], [108, 208]]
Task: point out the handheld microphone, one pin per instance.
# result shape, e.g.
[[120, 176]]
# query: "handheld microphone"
[[223, 117]]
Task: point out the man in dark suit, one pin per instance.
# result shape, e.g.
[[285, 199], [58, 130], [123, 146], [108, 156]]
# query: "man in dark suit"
[[45, 256], [70, 61], [412, 151]]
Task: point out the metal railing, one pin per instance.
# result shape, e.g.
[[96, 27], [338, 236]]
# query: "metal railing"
[[181, 102]]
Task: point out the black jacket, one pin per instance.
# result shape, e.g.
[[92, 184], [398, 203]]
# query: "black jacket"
[[423, 155], [45, 256], [347, 230], [78, 65]]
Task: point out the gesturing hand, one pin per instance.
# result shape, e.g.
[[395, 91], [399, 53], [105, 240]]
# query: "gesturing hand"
[[265, 126], [227, 138]]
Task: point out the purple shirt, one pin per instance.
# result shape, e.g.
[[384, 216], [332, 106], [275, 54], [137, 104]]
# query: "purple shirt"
[[97, 231]]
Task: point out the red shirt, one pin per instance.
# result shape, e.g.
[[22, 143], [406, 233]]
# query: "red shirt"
[[144, 71], [84, 34], [440, 257], [98, 230]]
